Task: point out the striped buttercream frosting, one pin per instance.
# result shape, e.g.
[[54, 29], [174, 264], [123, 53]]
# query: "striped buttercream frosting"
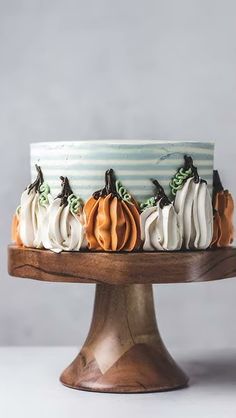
[[135, 162]]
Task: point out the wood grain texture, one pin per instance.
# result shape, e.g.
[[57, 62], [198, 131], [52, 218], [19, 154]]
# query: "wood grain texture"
[[122, 268], [124, 352]]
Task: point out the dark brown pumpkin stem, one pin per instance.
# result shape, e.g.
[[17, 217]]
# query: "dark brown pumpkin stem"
[[38, 182], [160, 195], [189, 164], [217, 185], [65, 192], [110, 186]]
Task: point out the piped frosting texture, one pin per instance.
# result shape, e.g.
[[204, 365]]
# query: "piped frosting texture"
[[33, 210], [223, 205], [42, 222], [160, 229], [63, 228], [110, 220], [112, 224], [159, 223], [194, 208], [15, 228]]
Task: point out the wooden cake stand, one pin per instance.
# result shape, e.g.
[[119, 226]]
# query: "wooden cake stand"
[[123, 351]]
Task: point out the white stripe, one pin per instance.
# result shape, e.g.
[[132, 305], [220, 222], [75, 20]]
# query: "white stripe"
[[122, 149]]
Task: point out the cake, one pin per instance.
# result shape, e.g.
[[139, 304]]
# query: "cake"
[[134, 162], [123, 195]]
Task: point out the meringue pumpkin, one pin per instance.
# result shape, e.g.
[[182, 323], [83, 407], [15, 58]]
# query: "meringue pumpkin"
[[63, 228], [111, 222], [223, 205], [159, 223], [194, 208], [15, 228], [28, 219]]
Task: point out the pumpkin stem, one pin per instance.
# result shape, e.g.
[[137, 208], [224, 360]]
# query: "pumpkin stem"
[[160, 194], [110, 182], [110, 186], [39, 180], [189, 165], [217, 185], [65, 192]]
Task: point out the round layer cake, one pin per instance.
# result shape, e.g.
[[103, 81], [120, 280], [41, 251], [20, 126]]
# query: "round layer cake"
[[124, 195], [135, 162]]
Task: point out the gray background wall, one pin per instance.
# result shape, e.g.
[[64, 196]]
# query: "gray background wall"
[[113, 69]]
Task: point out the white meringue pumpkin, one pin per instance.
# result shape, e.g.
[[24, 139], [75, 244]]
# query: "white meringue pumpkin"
[[159, 223], [63, 228], [160, 229], [33, 210], [194, 208]]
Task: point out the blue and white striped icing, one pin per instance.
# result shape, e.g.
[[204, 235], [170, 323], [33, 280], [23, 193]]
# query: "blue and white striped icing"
[[135, 162]]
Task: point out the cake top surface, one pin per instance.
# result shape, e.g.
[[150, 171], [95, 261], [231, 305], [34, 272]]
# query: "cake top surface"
[[121, 141]]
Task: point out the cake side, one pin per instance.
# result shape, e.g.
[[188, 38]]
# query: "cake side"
[[178, 212], [134, 162]]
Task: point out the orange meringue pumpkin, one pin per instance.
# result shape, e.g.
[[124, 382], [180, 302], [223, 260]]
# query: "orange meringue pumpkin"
[[223, 204], [15, 229], [112, 224]]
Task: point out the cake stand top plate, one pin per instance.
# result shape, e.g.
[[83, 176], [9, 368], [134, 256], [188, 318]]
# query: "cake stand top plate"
[[122, 268]]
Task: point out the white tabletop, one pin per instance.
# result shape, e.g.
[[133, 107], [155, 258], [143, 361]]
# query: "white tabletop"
[[29, 388]]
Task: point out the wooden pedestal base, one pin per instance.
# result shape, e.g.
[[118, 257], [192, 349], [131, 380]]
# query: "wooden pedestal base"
[[124, 351]]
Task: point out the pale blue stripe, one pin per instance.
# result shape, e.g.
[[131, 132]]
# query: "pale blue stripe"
[[120, 177], [142, 168], [94, 156], [105, 166]]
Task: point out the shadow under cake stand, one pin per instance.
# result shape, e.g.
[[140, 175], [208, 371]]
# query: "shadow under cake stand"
[[123, 351]]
